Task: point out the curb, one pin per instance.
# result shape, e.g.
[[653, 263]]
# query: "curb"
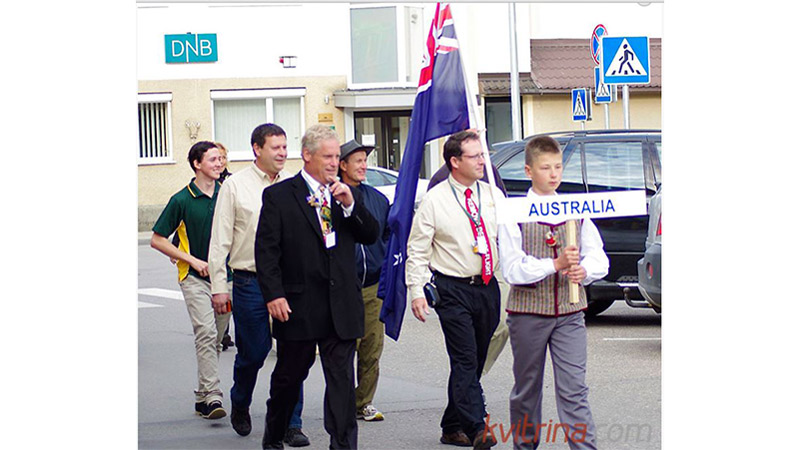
[[144, 237]]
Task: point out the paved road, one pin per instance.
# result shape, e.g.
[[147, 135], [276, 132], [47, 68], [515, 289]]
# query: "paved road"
[[624, 376]]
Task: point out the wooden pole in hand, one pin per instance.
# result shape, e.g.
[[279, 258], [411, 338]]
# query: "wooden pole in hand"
[[572, 239]]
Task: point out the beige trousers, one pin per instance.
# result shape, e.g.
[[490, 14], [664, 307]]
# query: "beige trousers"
[[209, 329], [500, 336]]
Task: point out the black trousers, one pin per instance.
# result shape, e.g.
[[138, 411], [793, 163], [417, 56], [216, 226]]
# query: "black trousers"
[[469, 314], [295, 358]]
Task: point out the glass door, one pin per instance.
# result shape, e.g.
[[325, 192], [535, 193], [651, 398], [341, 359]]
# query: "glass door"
[[388, 132]]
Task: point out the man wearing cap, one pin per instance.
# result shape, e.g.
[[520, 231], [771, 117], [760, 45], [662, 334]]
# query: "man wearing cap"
[[369, 260], [454, 238]]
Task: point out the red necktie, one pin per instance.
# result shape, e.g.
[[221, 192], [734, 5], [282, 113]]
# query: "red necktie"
[[486, 269]]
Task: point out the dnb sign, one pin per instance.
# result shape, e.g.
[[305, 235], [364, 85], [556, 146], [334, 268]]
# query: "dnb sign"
[[190, 48]]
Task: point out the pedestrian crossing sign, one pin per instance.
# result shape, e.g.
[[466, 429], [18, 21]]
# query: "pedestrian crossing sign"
[[579, 105], [603, 93], [625, 60]]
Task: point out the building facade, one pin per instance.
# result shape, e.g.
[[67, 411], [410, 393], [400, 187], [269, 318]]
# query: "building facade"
[[213, 71]]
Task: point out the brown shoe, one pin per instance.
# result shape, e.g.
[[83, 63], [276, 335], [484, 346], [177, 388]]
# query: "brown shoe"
[[483, 442], [458, 438]]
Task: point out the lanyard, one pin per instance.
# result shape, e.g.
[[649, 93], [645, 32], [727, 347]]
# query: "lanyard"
[[472, 219]]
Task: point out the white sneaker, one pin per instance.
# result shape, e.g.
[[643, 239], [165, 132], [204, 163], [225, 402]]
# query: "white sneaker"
[[369, 413]]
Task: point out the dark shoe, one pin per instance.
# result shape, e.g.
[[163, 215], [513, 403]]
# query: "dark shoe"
[[458, 438], [483, 442], [274, 445], [226, 342], [213, 410], [295, 438], [240, 420]]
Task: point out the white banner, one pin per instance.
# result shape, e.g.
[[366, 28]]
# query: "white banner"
[[555, 209]]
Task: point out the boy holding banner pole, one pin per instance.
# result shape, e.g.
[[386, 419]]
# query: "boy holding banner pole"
[[542, 268]]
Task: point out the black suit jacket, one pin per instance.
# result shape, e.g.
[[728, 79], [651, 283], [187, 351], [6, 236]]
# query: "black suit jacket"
[[320, 284]]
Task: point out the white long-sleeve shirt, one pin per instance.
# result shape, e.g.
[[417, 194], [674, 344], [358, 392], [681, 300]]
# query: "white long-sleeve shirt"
[[521, 268]]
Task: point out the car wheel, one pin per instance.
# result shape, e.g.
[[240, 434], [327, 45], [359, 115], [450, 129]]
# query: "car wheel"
[[595, 307]]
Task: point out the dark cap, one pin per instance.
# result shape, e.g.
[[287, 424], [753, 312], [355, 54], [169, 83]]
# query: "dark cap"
[[352, 146]]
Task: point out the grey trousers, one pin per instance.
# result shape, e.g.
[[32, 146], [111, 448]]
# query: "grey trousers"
[[531, 335]]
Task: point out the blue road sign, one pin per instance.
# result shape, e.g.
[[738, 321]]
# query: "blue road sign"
[[603, 93], [625, 60], [579, 107]]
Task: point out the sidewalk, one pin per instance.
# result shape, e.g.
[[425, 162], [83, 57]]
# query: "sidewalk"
[[144, 237]]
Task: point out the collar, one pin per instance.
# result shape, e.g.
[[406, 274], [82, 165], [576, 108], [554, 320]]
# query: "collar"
[[532, 194], [460, 187], [264, 176], [312, 183], [196, 192]]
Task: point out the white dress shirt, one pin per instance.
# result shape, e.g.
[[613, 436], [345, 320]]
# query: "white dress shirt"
[[521, 268], [314, 190]]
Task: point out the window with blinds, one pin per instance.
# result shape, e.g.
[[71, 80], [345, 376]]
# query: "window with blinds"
[[237, 112], [155, 136]]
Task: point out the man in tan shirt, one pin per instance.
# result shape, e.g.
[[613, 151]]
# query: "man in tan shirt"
[[233, 233], [454, 238]]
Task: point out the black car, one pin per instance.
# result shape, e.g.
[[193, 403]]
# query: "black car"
[[596, 161]]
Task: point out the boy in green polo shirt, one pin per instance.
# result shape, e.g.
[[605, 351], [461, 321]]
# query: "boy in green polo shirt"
[[190, 212]]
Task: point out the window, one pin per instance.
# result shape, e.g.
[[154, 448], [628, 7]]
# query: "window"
[[155, 129], [572, 173], [385, 45], [498, 120], [614, 166], [376, 178], [236, 113], [514, 168]]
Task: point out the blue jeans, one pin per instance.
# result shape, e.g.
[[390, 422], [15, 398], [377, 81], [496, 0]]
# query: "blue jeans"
[[253, 342]]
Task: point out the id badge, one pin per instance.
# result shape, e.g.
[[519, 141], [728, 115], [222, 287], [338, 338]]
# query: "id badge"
[[330, 240], [482, 248]]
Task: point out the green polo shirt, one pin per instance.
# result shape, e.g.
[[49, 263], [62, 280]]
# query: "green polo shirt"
[[190, 212]]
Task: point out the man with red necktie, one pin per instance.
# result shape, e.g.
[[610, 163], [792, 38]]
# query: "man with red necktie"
[[453, 240]]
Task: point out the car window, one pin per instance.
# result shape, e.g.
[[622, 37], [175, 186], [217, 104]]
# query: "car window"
[[374, 178], [614, 165], [572, 169], [657, 164], [389, 177], [514, 168]]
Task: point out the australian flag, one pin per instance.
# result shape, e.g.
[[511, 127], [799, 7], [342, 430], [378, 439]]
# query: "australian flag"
[[440, 109]]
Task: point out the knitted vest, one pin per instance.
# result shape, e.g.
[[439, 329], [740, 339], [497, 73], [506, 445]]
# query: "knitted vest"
[[550, 296]]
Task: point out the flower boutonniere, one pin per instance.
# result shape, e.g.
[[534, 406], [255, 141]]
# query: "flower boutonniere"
[[550, 239], [312, 201]]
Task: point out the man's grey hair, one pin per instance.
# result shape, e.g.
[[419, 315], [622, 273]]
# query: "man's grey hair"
[[316, 134]]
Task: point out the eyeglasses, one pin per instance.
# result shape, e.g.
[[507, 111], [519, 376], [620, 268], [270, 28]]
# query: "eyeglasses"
[[473, 157]]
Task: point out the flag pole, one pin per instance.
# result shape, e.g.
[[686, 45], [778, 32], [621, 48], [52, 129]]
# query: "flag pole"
[[475, 119]]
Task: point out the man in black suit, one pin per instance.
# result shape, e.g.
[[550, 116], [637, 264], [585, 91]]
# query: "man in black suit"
[[305, 263]]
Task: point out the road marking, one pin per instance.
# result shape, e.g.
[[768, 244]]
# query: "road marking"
[[633, 339], [163, 293], [149, 305]]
